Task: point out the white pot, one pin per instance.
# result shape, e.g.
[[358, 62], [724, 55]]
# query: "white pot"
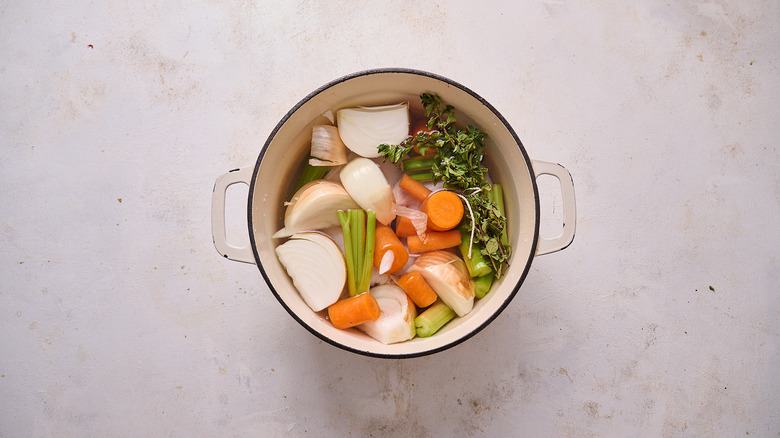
[[287, 148]]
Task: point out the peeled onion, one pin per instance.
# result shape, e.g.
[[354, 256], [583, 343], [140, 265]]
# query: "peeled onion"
[[316, 266], [396, 322], [448, 276], [363, 129], [315, 206], [368, 187]]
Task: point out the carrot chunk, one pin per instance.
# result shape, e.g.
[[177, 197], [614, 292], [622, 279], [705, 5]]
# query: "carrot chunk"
[[404, 227], [414, 188], [434, 240], [386, 240], [352, 311], [444, 209], [417, 289]]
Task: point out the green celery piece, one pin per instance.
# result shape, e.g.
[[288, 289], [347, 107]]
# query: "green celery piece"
[[477, 264], [368, 254], [417, 163], [482, 285], [433, 318], [496, 196], [345, 219], [311, 173], [424, 176], [358, 244]]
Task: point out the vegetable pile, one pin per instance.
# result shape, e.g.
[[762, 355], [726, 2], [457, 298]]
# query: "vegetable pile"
[[395, 251]]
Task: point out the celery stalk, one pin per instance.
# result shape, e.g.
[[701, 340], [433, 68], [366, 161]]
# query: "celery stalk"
[[349, 255], [417, 163], [477, 264], [496, 196], [359, 235], [311, 173], [424, 176], [482, 285], [358, 245], [368, 255], [433, 318]]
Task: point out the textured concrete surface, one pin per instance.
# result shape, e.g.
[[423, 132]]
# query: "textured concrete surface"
[[118, 317]]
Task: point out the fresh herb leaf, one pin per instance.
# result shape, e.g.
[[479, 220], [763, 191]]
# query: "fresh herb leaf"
[[395, 152]]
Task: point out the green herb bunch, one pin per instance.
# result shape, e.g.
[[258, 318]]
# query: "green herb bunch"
[[457, 163]]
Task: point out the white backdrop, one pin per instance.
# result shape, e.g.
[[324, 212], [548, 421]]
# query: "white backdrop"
[[119, 318]]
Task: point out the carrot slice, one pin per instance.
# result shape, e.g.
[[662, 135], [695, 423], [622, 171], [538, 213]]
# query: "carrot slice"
[[417, 289], [352, 311], [414, 188], [386, 240], [434, 240], [444, 209], [404, 227]]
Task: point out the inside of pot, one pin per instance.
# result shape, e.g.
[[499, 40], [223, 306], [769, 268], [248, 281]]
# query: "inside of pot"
[[287, 149]]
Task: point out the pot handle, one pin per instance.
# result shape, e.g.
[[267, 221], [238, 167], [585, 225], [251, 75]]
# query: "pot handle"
[[546, 246], [218, 232]]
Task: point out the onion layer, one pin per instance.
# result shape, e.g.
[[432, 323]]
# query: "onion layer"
[[327, 149], [396, 322], [316, 266], [419, 219]]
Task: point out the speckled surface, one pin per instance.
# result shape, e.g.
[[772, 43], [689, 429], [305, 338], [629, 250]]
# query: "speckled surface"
[[118, 317]]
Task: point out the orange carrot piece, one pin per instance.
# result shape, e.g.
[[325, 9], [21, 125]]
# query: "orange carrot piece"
[[352, 311], [404, 227], [434, 240], [444, 209], [414, 188], [385, 240], [421, 125], [417, 289]]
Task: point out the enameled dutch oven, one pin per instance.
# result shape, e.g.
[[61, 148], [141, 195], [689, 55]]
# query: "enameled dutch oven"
[[287, 148]]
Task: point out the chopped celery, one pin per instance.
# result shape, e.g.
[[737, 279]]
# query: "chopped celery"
[[358, 231], [482, 285], [417, 163], [496, 196], [477, 264], [433, 318], [349, 255], [359, 235], [424, 176], [368, 254], [311, 173]]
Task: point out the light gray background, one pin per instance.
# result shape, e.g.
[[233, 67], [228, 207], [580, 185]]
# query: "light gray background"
[[119, 318]]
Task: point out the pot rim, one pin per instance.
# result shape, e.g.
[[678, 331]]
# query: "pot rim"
[[447, 81]]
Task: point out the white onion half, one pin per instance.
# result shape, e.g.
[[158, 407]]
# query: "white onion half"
[[363, 129], [396, 322], [315, 206], [316, 266], [367, 185], [448, 276]]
